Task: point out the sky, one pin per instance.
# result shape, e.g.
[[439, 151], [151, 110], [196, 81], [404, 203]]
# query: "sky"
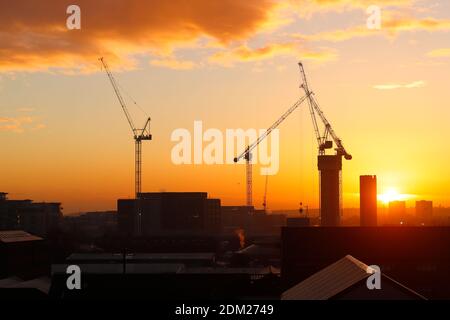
[[230, 64]]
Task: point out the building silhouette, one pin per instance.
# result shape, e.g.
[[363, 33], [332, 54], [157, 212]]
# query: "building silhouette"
[[38, 218], [91, 224], [368, 201], [170, 213], [22, 255], [252, 222], [397, 212], [424, 211], [330, 167]]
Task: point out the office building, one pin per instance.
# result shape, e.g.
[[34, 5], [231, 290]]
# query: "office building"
[[170, 213], [38, 218]]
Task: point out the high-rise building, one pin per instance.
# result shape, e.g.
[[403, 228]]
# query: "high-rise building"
[[368, 201], [170, 213], [424, 211], [330, 167]]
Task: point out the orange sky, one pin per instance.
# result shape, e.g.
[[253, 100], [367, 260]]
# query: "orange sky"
[[231, 64]]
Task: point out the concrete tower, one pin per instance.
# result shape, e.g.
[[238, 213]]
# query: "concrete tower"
[[330, 167], [368, 201]]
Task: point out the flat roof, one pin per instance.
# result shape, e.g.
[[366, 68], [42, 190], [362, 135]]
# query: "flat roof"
[[17, 236], [233, 270], [142, 256], [117, 268], [42, 284]]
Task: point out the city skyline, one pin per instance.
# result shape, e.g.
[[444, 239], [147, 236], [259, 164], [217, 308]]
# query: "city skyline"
[[384, 91]]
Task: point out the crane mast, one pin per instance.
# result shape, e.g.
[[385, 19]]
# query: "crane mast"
[[138, 135]]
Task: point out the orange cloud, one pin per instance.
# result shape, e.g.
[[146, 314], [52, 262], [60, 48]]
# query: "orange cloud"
[[393, 86], [173, 63], [390, 27], [309, 7], [414, 24], [245, 54], [439, 53], [15, 124], [34, 36]]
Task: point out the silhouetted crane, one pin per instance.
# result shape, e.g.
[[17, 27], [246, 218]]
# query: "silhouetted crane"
[[247, 153], [322, 140], [138, 135], [330, 166]]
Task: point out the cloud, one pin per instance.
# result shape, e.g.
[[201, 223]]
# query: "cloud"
[[173, 63], [25, 109], [307, 8], [243, 53], [34, 36], [439, 53], [14, 124], [393, 86], [394, 25], [390, 27], [39, 126], [19, 124]]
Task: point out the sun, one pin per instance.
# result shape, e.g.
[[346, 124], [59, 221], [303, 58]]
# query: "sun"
[[391, 194]]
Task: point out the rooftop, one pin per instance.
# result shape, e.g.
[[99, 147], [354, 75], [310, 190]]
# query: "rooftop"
[[141, 256], [335, 279], [17, 236], [117, 268], [329, 281]]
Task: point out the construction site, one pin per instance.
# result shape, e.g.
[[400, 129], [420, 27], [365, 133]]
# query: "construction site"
[[329, 165], [170, 240], [220, 159]]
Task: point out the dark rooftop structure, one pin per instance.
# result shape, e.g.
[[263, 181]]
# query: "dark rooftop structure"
[[17, 236], [170, 213], [162, 281], [21, 254], [346, 280], [194, 259], [418, 257], [38, 218]]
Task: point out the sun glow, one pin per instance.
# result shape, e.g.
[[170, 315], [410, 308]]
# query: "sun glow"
[[392, 194]]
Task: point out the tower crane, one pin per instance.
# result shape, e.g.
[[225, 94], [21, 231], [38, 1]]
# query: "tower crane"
[[322, 140], [247, 153], [139, 135], [330, 166]]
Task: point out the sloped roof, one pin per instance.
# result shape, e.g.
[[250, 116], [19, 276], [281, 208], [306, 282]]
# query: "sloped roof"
[[330, 281], [42, 284], [17, 236]]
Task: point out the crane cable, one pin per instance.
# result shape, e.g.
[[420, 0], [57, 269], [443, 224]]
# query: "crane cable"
[[127, 94]]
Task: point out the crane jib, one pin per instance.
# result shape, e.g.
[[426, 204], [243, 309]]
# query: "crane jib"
[[272, 127]]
